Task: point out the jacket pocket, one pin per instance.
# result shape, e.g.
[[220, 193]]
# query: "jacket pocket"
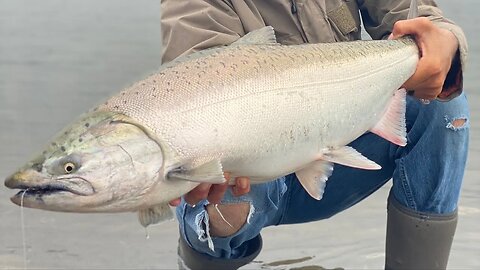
[[344, 19]]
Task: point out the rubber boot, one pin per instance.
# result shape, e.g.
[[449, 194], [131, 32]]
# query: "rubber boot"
[[193, 260], [416, 240]]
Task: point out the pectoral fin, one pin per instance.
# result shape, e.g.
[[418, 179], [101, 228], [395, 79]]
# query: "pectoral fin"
[[211, 172], [314, 177], [350, 157], [155, 214]]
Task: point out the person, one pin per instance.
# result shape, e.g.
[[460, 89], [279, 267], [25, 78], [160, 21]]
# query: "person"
[[220, 227]]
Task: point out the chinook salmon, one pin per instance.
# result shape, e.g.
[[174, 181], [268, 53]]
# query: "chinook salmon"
[[254, 108]]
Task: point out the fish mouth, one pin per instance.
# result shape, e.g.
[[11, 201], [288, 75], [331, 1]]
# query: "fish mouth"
[[38, 187], [51, 188]]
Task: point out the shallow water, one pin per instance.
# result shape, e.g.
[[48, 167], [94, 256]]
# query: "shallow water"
[[60, 58]]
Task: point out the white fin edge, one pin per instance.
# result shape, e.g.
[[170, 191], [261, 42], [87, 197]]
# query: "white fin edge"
[[314, 177], [264, 35], [348, 156], [392, 125]]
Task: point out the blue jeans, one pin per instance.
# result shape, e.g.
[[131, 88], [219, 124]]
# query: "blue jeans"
[[427, 175]]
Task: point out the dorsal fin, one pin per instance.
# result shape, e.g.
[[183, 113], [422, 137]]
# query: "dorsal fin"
[[264, 35]]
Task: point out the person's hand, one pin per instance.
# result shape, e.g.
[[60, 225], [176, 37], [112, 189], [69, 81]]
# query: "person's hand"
[[437, 50], [214, 193]]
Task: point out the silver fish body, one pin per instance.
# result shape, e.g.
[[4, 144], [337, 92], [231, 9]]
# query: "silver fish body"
[[257, 110], [268, 110]]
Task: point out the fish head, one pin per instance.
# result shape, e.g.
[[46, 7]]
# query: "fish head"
[[103, 162]]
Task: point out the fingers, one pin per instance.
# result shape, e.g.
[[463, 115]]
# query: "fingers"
[[197, 194], [437, 49], [214, 193], [242, 186], [217, 192], [410, 27], [175, 202], [428, 79]]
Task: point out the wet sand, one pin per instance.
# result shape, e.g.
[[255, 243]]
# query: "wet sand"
[[60, 58]]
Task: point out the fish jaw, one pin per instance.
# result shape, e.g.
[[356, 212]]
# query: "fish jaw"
[[103, 162], [35, 189], [37, 192]]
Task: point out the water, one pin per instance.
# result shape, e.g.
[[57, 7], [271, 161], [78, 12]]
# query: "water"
[[59, 58]]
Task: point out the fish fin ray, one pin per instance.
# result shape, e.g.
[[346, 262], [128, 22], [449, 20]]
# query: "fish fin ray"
[[210, 172], [392, 125], [314, 177], [154, 215], [264, 35], [348, 156]]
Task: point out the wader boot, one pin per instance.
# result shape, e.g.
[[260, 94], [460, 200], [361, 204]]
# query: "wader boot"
[[193, 260], [416, 240]]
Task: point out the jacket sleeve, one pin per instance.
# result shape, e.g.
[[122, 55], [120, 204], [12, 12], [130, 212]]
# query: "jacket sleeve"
[[380, 16], [193, 25]]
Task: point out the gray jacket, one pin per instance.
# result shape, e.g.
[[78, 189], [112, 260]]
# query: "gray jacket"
[[193, 25]]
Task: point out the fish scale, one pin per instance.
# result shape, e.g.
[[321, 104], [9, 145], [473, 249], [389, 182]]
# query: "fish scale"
[[233, 95]]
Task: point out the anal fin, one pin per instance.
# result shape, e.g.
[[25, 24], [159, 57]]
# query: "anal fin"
[[154, 215], [392, 125], [314, 177], [348, 156]]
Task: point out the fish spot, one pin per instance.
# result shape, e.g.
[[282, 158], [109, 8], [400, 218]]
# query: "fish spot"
[[37, 167], [63, 148], [80, 140], [124, 102], [87, 125]]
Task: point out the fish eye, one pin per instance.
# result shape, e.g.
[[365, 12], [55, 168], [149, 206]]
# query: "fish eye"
[[69, 167]]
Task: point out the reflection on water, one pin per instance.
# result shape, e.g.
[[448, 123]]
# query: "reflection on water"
[[60, 58]]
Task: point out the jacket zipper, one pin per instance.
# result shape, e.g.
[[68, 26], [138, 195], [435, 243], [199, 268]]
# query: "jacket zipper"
[[294, 6]]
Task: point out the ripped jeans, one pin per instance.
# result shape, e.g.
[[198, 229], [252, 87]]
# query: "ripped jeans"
[[427, 175]]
